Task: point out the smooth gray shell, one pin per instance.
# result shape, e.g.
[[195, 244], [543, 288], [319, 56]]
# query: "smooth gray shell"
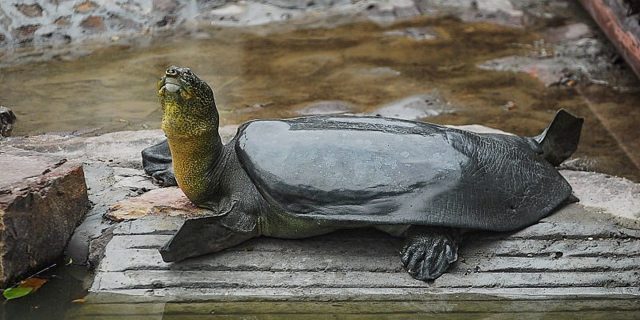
[[387, 171]]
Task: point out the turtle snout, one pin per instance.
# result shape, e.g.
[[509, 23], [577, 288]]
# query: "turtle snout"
[[175, 72], [172, 71]]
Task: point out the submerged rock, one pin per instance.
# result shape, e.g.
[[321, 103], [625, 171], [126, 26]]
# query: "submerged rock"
[[573, 55], [415, 107], [326, 107], [415, 33], [42, 200]]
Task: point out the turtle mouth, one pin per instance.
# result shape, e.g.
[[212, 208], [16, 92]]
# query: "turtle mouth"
[[170, 85]]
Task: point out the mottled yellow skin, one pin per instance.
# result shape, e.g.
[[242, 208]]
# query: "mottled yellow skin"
[[192, 132], [192, 160]]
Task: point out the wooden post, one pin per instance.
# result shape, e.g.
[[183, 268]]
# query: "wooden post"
[[620, 21]]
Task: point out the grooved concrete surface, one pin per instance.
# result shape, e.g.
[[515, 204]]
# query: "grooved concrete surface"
[[578, 251]]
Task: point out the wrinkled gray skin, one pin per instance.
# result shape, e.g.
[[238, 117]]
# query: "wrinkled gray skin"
[[7, 119], [307, 176]]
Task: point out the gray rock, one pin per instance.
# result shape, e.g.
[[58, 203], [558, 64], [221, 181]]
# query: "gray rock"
[[42, 200]]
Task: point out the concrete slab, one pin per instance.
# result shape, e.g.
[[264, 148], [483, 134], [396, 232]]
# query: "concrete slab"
[[581, 250]]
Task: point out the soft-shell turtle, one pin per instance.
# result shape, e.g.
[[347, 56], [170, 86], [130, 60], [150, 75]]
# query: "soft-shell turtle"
[[307, 176]]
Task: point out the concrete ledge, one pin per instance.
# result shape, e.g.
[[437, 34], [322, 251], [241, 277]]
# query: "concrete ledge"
[[579, 251]]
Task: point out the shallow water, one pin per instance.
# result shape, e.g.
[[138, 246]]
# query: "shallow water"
[[65, 289], [259, 73]]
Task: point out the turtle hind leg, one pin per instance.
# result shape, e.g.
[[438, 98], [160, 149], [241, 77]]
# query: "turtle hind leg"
[[429, 251], [560, 140], [157, 162]]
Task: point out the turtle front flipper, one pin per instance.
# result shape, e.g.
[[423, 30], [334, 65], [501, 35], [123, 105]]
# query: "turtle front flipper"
[[157, 162], [429, 251], [201, 236]]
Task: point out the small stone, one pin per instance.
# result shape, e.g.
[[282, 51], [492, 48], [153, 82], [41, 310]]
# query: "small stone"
[[30, 10], [62, 21], [26, 31], [85, 7], [94, 23]]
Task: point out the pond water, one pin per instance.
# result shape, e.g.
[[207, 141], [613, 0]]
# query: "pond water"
[[63, 297], [286, 72]]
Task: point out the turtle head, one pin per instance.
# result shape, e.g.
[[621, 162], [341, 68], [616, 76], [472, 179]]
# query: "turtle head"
[[188, 106]]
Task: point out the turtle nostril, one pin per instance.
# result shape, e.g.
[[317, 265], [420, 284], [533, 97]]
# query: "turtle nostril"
[[171, 72]]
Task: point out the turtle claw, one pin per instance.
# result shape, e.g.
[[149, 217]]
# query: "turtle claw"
[[428, 252], [164, 178]]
